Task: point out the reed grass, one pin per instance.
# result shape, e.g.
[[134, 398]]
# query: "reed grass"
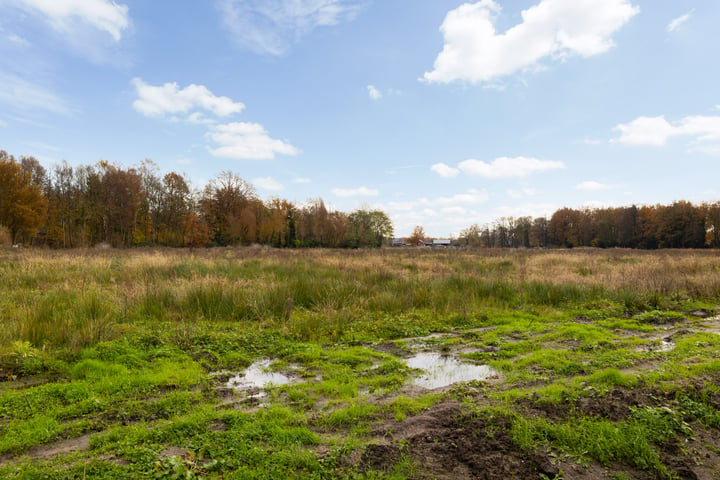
[[77, 298]]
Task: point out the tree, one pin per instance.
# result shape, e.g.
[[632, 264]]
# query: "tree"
[[119, 203], [417, 236], [713, 224], [539, 232], [564, 228], [368, 228], [23, 206], [628, 230], [175, 206], [471, 236], [682, 225], [222, 204], [62, 215]]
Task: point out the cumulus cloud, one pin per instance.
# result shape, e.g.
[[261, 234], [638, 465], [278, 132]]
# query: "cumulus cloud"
[[475, 52], [271, 27], [591, 185], [703, 131], [676, 22], [503, 167], [26, 96], [355, 192], [444, 170], [247, 141], [63, 15], [237, 140], [650, 131], [169, 98], [374, 93], [268, 183]]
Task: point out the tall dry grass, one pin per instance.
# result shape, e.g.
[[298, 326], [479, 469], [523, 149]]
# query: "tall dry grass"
[[69, 299]]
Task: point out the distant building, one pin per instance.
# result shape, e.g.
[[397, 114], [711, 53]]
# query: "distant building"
[[441, 242], [398, 242]]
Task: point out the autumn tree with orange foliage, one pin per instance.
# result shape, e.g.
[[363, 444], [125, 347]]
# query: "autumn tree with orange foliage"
[[23, 207]]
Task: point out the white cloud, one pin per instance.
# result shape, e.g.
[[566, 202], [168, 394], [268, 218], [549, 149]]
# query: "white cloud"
[[26, 96], [18, 40], [247, 141], [444, 170], [3, 123], [268, 183], [507, 167], [355, 192], [591, 185], [475, 52], [271, 26], [438, 215], [704, 132], [676, 22], [653, 131], [471, 197], [198, 118], [374, 93], [521, 193], [104, 15], [302, 180], [169, 98]]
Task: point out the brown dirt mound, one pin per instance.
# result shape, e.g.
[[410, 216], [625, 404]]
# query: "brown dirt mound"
[[446, 443]]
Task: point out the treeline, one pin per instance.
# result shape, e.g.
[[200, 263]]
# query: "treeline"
[[70, 207], [679, 225]]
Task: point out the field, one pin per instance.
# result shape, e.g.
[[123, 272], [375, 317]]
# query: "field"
[[266, 363]]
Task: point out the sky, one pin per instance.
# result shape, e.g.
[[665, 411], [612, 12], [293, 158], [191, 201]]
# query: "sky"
[[440, 113]]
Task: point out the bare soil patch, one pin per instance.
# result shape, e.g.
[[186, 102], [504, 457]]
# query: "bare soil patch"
[[445, 442], [55, 449]]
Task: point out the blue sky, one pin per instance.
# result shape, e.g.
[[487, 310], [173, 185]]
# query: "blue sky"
[[439, 112]]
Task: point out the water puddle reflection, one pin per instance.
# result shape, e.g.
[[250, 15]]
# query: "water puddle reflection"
[[258, 376], [442, 370]]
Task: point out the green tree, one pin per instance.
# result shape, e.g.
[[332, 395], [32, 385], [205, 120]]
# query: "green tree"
[[368, 228]]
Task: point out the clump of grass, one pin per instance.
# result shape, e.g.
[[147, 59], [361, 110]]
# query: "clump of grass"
[[658, 317], [611, 377], [600, 440]]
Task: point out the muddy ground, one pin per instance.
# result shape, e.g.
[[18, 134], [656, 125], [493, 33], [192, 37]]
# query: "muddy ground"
[[452, 441]]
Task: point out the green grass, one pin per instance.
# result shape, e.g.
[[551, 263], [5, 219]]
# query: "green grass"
[[132, 347]]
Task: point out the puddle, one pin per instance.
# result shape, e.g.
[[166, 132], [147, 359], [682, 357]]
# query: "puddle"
[[258, 376], [664, 346], [442, 370]]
